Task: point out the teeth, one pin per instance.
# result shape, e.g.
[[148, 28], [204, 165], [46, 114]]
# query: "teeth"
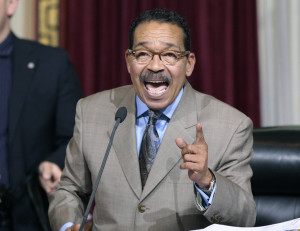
[[153, 89], [155, 81], [157, 92]]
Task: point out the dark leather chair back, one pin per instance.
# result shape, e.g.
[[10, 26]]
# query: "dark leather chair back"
[[276, 174]]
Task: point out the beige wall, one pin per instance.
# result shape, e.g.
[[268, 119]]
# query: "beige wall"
[[22, 22]]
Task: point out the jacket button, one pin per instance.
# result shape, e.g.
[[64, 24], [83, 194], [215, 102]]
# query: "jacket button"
[[142, 208], [216, 219]]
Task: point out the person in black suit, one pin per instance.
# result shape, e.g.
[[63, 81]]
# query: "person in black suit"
[[39, 90]]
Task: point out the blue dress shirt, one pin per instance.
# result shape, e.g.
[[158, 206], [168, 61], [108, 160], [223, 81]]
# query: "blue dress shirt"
[[161, 124]]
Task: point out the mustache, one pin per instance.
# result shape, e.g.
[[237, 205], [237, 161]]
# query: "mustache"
[[146, 77]]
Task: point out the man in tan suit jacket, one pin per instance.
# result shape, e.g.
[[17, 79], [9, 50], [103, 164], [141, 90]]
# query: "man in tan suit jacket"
[[201, 173]]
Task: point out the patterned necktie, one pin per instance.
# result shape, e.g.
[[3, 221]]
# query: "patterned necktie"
[[149, 146]]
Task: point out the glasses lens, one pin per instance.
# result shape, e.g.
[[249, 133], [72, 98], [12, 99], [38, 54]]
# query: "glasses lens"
[[143, 56], [169, 57]]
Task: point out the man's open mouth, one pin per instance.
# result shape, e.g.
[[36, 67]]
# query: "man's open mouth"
[[156, 87]]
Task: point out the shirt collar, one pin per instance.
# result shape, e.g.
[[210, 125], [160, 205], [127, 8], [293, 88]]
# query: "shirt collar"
[[6, 46], [141, 107]]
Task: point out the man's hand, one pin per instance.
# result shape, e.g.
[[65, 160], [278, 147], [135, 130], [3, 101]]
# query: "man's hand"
[[195, 159], [87, 227], [73, 228], [49, 175]]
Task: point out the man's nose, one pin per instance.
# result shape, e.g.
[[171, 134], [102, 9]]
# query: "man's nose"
[[156, 64]]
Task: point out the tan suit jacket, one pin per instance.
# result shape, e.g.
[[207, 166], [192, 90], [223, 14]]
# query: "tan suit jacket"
[[168, 199]]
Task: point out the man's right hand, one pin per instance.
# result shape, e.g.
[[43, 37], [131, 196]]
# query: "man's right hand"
[[73, 228], [76, 227]]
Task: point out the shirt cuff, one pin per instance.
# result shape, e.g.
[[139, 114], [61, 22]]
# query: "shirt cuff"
[[65, 226], [202, 200]]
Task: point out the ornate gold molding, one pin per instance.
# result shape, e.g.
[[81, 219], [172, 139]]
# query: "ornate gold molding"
[[48, 22]]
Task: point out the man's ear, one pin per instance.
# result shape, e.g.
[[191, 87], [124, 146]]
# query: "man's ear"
[[11, 7], [190, 64]]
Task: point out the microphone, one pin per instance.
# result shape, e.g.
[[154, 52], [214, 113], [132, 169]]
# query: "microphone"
[[119, 118], [121, 114]]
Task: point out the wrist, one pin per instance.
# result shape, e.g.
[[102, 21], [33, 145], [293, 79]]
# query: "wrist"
[[208, 186]]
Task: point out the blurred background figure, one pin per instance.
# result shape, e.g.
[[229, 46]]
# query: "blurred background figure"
[[39, 90]]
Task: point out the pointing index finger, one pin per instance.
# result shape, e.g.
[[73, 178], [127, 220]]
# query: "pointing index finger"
[[199, 134]]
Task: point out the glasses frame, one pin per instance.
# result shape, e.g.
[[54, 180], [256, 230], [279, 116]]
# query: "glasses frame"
[[179, 55]]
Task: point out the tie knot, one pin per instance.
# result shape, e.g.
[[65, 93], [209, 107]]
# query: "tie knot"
[[153, 116]]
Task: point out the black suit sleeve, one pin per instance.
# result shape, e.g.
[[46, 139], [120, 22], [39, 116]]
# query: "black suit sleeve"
[[68, 93]]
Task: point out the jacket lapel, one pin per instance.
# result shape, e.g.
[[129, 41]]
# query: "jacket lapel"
[[125, 145], [23, 71], [182, 124]]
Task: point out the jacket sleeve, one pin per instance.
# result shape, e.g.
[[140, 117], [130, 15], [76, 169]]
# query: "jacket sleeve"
[[68, 93], [233, 195], [68, 201]]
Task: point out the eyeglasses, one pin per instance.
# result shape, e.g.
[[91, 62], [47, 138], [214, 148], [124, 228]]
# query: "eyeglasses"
[[168, 57]]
